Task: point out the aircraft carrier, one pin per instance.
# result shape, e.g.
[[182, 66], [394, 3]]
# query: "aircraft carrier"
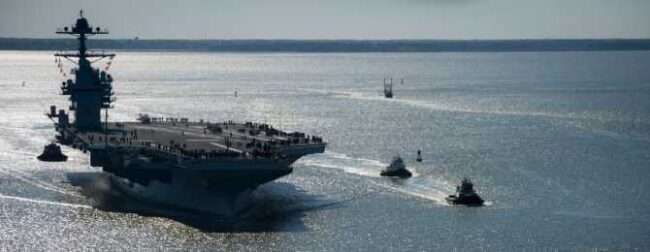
[[202, 165]]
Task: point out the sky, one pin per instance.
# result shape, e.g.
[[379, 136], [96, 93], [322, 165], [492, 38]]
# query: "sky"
[[334, 19]]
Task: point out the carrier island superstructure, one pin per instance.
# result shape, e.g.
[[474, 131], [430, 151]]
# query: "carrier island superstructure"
[[169, 160]]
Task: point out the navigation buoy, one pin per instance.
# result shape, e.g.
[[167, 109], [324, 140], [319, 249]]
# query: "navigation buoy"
[[388, 88]]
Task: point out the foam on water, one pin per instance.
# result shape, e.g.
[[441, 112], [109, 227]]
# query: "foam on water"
[[435, 196], [422, 186], [560, 161], [358, 166], [580, 120], [451, 108], [45, 202], [21, 142], [29, 179]]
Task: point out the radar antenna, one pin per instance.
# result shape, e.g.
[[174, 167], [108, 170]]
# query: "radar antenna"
[[91, 89]]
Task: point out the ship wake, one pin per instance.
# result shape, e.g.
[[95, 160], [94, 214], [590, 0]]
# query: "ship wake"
[[457, 108], [275, 206], [424, 184]]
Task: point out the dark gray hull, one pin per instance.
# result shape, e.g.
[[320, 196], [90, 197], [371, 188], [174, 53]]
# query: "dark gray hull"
[[225, 174]]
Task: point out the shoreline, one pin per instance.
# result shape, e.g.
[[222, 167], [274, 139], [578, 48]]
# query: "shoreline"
[[333, 46]]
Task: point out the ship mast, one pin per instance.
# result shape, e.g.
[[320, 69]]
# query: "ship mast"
[[91, 89]]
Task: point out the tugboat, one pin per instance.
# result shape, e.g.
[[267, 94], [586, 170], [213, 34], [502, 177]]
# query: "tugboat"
[[465, 195], [396, 169], [52, 153]]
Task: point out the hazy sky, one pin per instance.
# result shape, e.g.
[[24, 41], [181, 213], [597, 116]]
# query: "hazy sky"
[[334, 19]]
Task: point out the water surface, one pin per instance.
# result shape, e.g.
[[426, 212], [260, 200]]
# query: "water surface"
[[558, 143]]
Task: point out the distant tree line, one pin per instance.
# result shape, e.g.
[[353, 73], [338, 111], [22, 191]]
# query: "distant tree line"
[[333, 45]]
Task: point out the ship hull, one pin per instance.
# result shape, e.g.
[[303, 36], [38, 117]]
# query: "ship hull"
[[227, 174], [401, 173], [216, 187], [46, 158], [195, 199], [469, 200]]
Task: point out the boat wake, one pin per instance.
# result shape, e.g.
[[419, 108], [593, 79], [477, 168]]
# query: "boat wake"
[[370, 96], [448, 107], [425, 186], [19, 147], [358, 166], [24, 177], [44, 202]]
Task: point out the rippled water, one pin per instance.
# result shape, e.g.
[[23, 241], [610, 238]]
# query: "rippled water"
[[558, 143]]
